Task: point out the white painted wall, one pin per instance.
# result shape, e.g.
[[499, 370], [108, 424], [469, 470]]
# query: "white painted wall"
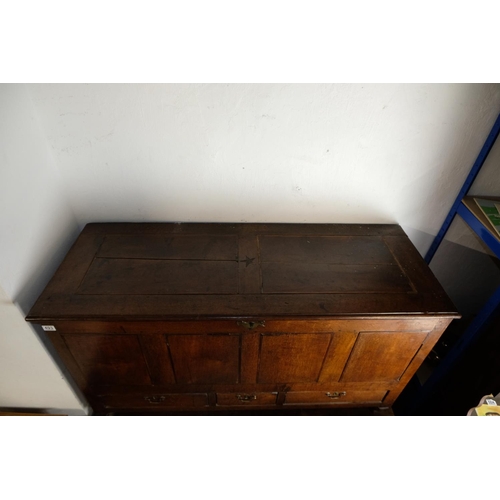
[[271, 152], [37, 225], [28, 376]]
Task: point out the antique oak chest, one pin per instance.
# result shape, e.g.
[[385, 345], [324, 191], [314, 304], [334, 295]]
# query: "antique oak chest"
[[168, 317]]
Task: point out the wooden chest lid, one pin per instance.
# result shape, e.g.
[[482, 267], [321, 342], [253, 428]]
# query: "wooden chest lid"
[[193, 271]]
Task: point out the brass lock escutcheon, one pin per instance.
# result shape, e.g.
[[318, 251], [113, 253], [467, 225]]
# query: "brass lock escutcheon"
[[335, 395], [250, 325]]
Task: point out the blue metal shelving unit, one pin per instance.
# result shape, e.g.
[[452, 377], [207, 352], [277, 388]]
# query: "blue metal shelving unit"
[[474, 329], [481, 158]]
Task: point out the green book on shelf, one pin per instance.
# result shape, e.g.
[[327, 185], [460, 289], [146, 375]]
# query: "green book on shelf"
[[491, 209]]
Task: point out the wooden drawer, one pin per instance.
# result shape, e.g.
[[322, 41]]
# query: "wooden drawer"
[[334, 397], [246, 399], [154, 400]]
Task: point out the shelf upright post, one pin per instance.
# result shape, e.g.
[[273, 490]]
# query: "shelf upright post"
[[483, 154]]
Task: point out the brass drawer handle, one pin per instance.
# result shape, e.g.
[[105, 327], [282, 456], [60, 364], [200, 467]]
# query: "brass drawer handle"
[[335, 395], [154, 400], [250, 325], [245, 398]]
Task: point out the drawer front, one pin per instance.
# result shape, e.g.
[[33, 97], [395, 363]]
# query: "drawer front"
[[334, 397], [246, 399], [154, 400]]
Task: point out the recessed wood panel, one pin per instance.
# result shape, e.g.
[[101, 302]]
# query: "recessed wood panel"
[[292, 357], [345, 250], [381, 356], [318, 277], [109, 359], [158, 277], [170, 246], [205, 358]]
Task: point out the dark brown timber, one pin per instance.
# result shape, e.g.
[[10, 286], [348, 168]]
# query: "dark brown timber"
[[208, 316]]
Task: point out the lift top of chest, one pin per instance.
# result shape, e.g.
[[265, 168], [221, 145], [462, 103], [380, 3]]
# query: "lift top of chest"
[[176, 271]]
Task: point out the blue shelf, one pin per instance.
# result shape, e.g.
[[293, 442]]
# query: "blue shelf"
[[467, 210]]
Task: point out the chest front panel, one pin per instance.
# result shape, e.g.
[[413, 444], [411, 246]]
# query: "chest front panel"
[[281, 363]]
